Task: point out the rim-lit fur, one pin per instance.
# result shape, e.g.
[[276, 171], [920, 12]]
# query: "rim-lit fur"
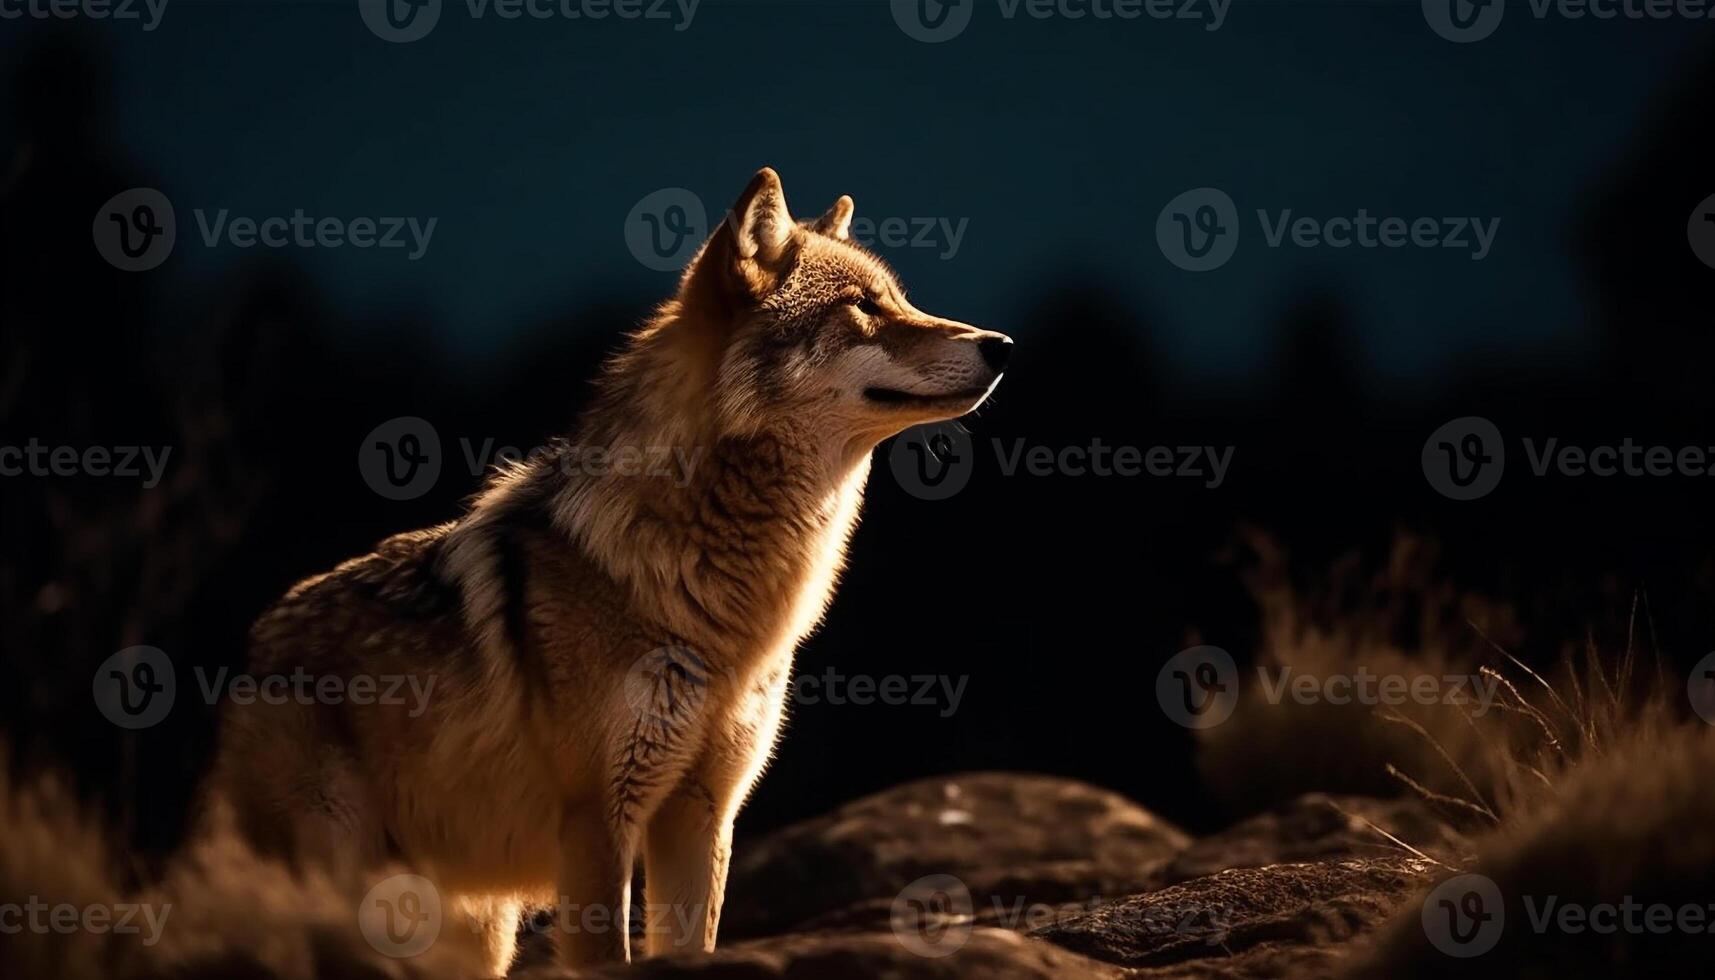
[[610, 649]]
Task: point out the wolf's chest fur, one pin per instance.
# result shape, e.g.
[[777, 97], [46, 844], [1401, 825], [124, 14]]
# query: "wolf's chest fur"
[[612, 646], [651, 628]]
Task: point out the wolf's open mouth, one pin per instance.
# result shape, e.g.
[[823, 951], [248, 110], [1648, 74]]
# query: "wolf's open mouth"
[[893, 396]]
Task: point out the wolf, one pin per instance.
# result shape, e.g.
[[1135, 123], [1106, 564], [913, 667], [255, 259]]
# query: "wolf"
[[610, 652]]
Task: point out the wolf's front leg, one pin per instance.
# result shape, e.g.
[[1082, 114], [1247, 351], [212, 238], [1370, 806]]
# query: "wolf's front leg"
[[595, 888], [686, 852]]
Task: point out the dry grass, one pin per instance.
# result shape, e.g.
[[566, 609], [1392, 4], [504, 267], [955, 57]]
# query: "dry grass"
[[1397, 620], [225, 912]]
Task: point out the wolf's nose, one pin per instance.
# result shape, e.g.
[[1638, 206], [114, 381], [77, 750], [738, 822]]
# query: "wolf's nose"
[[995, 351]]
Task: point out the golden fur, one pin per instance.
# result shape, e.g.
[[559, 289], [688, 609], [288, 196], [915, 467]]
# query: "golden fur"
[[610, 652]]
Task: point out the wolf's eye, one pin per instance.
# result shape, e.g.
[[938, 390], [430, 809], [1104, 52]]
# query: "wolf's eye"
[[869, 307]]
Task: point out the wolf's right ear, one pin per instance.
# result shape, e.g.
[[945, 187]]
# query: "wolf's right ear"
[[748, 253], [837, 223]]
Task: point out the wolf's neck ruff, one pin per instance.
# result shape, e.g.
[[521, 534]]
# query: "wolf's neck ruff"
[[740, 558], [736, 554]]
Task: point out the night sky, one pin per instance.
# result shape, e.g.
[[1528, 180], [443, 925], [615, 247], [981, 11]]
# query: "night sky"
[[1056, 143]]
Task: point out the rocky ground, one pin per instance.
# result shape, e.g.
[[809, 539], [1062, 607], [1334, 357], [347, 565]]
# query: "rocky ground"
[[1018, 876]]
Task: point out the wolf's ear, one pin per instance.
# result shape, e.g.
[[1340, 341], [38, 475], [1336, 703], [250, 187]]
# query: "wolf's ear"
[[837, 222], [745, 257], [761, 225]]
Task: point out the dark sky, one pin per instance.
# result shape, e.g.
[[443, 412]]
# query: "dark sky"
[[1057, 142]]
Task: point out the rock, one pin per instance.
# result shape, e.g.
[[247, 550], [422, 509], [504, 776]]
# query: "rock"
[[1245, 921], [1015, 841], [1318, 827], [989, 953]]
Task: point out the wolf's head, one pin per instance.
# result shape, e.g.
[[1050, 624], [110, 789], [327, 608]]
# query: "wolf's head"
[[781, 319]]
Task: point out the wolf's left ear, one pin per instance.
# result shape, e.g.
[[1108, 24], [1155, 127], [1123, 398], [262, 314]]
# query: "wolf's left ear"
[[745, 257], [837, 223], [761, 225]]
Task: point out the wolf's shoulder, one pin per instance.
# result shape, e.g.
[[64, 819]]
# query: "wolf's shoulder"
[[400, 578]]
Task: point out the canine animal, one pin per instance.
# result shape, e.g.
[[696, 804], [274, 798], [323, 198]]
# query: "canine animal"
[[610, 650]]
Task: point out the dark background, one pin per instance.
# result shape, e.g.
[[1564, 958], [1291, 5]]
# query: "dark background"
[[1059, 141]]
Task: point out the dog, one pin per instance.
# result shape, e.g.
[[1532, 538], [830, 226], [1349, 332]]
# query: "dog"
[[610, 652]]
